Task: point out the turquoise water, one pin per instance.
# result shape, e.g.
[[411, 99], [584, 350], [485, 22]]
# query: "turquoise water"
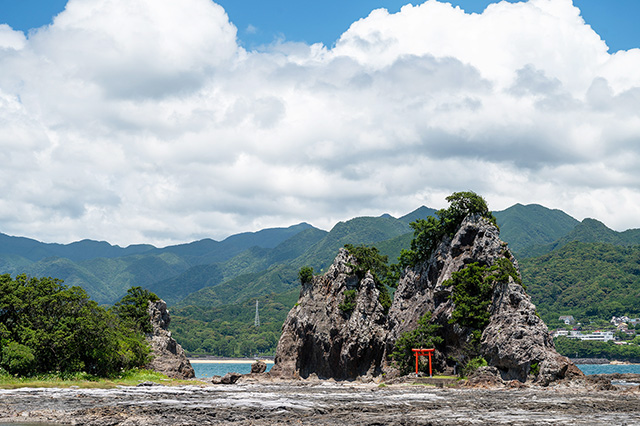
[[589, 369], [210, 369]]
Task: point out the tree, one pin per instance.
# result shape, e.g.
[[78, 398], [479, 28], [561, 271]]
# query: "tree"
[[133, 308], [305, 275], [428, 233], [48, 327], [369, 259], [424, 336]]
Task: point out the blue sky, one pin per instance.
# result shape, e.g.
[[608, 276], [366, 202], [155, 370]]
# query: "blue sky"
[[168, 121], [261, 22]]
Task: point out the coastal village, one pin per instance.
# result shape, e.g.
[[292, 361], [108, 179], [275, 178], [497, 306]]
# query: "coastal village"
[[621, 332]]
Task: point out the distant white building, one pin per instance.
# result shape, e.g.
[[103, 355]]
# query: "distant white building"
[[600, 336], [567, 319]]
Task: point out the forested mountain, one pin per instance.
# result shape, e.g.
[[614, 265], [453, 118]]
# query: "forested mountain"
[[527, 227], [106, 276], [571, 267], [589, 231]]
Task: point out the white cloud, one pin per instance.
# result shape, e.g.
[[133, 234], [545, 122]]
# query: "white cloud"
[[144, 121]]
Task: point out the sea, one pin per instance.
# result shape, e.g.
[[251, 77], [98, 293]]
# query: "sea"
[[590, 369], [208, 369]]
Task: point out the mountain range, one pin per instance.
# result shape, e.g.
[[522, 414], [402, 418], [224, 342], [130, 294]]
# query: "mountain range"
[[206, 281]]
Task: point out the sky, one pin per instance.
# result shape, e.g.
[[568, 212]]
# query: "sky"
[[163, 121]]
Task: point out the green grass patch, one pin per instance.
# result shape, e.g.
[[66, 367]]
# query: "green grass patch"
[[86, 381]]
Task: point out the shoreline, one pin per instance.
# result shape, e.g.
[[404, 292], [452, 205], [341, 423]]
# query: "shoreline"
[[320, 403], [225, 360]]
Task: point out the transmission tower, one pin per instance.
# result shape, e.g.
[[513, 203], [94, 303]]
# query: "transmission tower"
[[257, 320]]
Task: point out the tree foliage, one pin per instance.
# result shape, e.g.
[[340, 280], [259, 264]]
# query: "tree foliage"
[[133, 308], [471, 295], [369, 259], [229, 330], [429, 232], [593, 349], [305, 275], [424, 336], [48, 327], [586, 280]]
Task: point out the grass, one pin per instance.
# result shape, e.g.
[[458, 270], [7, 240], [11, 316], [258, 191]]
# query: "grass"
[[87, 381]]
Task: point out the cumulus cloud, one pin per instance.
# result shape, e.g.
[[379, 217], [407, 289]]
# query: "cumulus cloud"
[[144, 120]]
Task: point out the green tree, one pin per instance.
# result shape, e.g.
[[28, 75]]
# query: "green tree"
[[471, 295], [133, 308], [48, 327], [369, 259], [305, 275], [428, 233], [424, 336]]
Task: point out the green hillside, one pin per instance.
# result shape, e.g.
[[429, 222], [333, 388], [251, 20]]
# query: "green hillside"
[[106, 276], [589, 231], [586, 280], [526, 227]]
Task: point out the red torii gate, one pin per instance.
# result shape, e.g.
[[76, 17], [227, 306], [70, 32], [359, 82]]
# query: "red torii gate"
[[422, 352]]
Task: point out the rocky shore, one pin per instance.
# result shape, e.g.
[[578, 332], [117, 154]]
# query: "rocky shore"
[[323, 403]]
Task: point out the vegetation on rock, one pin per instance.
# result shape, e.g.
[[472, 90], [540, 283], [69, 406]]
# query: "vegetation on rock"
[[349, 302], [133, 308], [305, 275], [429, 232], [369, 259], [424, 336]]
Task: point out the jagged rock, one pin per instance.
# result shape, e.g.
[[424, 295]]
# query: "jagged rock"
[[230, 378], [168, 357], [319, 338], [485, 377], [258, 367]]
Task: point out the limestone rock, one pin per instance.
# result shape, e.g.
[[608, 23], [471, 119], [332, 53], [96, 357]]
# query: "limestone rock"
[[319, 338], [518, 342], [168, 357], [258, 367]]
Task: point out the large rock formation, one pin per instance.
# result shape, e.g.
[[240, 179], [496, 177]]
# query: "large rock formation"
[[167, 356], [319, 338]]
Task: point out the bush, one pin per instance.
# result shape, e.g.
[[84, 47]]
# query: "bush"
[[424, 336], [349, 302], [305, 275], [369, 259], [473, 365], [17, 359]]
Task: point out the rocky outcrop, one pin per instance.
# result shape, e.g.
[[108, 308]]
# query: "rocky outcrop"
[[258, 367], [167, 356], [318, 338], [517, 341]]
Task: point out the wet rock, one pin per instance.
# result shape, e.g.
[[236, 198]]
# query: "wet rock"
[[168, 357], [258, 367], [230, 378]]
